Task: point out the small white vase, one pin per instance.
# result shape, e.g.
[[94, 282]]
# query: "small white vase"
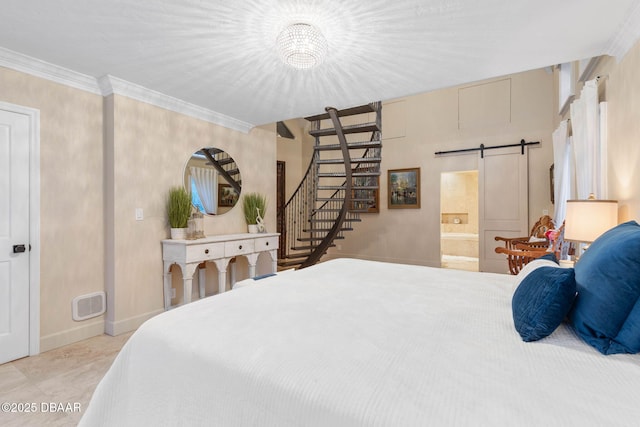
[[178, 233], [253, 228]]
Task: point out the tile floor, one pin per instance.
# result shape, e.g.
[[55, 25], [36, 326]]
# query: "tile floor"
[[460, 262], [66, 375]]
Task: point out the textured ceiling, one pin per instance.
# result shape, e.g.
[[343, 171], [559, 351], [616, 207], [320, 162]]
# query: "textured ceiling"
[[220, 54]]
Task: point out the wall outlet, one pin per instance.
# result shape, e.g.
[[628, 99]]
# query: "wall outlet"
[[173, 293], [545, 211], [139, 214]]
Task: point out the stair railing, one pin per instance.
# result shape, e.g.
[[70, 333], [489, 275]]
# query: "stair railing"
[[346, 200], [301, 211], [299, 207]]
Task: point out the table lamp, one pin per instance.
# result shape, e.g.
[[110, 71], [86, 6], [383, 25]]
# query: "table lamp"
[[587, 219]]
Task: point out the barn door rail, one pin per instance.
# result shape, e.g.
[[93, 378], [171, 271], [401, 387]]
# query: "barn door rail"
[[483, 147]]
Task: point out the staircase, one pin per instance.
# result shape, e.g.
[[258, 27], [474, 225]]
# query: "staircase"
[[341, 182], [225, 165]]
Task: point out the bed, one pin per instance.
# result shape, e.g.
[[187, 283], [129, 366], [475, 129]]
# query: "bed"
[[350, 342]]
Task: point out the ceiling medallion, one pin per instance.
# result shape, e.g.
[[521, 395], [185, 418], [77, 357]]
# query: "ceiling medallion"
[[301, 46]]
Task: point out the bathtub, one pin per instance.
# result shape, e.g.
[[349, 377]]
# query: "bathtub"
[[459, 251]]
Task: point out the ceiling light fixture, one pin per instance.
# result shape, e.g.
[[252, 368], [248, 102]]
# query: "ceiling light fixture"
[[301, 46]]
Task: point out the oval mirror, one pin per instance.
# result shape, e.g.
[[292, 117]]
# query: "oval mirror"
[[214, 180]]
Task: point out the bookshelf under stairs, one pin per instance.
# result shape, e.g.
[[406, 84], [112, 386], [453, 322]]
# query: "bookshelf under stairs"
[[341, 182]]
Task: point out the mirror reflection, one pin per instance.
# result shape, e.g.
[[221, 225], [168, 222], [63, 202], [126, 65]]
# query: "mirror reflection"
[[214, 180]]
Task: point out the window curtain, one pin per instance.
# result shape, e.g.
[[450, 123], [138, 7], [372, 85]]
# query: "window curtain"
[[585, 122], [206, 181], [603, 183], [562, 161]]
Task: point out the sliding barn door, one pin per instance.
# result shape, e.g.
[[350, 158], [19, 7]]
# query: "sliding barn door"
[[503, 202]]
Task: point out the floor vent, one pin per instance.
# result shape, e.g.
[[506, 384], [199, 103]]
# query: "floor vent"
[[88, 306]]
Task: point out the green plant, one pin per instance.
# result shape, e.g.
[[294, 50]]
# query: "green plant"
[[178, 207], [250, 205]]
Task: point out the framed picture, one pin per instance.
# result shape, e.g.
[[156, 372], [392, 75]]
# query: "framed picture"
[[403, 188], [227, 196]]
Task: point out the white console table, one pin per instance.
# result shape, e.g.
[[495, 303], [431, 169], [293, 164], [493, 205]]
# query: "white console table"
[[188, 254]]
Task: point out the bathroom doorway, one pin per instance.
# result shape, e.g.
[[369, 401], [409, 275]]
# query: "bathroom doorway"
[[459, 247]]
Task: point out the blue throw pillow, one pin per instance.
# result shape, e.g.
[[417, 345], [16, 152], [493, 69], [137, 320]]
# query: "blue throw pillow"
[[549, 256], [606, 313], [542, 301]]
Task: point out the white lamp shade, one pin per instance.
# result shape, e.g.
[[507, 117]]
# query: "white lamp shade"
[[586, 220]]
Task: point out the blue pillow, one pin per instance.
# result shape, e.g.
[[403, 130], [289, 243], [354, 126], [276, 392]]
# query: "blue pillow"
[[264, 276], [606, 313], [542, 301], [549, 256]]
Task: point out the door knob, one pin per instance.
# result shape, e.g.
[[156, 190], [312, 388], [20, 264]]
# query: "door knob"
[[18, 249]]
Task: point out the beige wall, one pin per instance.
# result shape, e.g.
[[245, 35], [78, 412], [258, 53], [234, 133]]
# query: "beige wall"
[[296, 153], [459, 199], [101, 158], [100, 163], [151, 146], [620, 88], [494, 112], [71, 200], [622, 93]]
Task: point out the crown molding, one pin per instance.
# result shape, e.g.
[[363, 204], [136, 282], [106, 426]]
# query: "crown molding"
[[38, 68], [113, 85], [107, 85], [627, 36]]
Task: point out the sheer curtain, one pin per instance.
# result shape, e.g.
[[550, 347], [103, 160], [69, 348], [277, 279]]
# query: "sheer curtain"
[[562, 161], [585, 122], [601, 191], [206, 181]]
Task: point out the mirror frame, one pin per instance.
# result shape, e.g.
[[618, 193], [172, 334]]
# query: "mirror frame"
[[228, 180]]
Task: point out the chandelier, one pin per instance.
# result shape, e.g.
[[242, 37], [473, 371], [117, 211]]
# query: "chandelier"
[[301, 46]]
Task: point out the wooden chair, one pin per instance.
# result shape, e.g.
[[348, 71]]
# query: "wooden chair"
[[538, 231], [518, 258], [521, 250]]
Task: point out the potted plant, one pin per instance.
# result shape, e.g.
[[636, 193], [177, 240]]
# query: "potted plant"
[[254, 207], [179, 210]]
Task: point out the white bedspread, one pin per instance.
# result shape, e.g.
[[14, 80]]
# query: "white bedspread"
[[350, 343]]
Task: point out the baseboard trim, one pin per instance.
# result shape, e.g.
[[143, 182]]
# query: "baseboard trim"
[[127, 325], [70, 336]]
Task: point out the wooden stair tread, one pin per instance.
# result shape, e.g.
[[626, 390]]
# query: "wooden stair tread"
[[353, 199], [361, 128], [353, 187], [361, 109], [333, 220], [343, 175], [357, 160], [223, 162], [351, 145], [305, 248], [316, 239]]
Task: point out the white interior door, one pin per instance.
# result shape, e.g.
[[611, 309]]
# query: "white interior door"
[[503, 183], [14, 231]]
